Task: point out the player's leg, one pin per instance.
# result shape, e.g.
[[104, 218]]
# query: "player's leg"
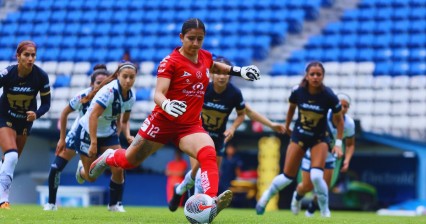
[[302, 188], [293, 158], [318, 157], [116, 185], [185, 185], [8, 144], [58, 164]]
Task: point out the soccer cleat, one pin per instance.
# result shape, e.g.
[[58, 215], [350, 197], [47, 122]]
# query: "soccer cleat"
[[5, 205], [116, 208], [50, 207], [78, 176], [309, 214], [175, 201], [223, 200], [295, 204], [260, 209], [326, 213], [99, 165]]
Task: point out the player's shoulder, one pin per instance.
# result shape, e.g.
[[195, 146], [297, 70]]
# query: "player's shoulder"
[[329, 91], [8, 70], [40, 71], [84, 92], [296, 88], [349, 120], [205, 53]]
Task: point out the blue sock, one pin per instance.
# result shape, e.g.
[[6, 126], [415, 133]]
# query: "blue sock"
[[115, 192], [55, 177]]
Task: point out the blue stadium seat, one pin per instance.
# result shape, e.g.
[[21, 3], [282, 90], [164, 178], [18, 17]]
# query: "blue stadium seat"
[[314, 54], [230, 28], [349, 27], [418, 68], [279, 33], [417, 3], [262, 5], [399, 27], [9, 29], [230, 16], [400, 54], [417, 13], [72, 29], [417, 54], [28, 17], [417, 40], [146, 55], [314, 42], [382, 41], [399, 3], [311, 9], [135, 17], [75, 5], [367, 14], [134, 29], [118, 29], [348, 54], [42, 17], [88, 28], [62, 81], [350, 15], [332, 28], [261, 46], [297, 56], [151, 29], [247, 29], [383, 14], [101, 41], [89, 16], [68, 42], [382, 55], [7, 54], [214, 16], [102, 29], [40, 29], [143, 94], [399, 40], [266, 15], [90, 5], [247, 16], [151, 17], [29, 6], [383, 27], [98, 55], [83, 54], [104, 16], [8, 41], [279, 69], [56, 29], [242, 57], [247, 5], [382, 68], [400, 14], [399, 68], [85, 42], [67, 54], [330, 55], [263, 28], [365, 41], [331, 41], [366, 27], [198, 5], [295, 69], [13, 17], [51, 54], [365, 54], [59, 5], [58, 16], [114, 54], [243, 42], [73, 16], [348, 41], [147, 41], [137, 6], [54, 41], [417, 26], [366, 4], [108, 5], [383, 3], [295, 20]]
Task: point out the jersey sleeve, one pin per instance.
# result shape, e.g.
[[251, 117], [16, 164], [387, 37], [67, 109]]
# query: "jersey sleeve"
[[104, 97], [293, 95], [349, 127], [335, 105], [240, 103], [75, 102], [45, 86], [166, 68]]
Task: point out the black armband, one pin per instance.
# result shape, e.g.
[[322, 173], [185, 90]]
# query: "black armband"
[[235, 71]]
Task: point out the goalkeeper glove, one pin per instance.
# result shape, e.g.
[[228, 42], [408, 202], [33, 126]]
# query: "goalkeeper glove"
[[250, 72], [174, 107]]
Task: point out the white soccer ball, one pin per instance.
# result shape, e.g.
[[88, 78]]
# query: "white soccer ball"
[[200, 208]]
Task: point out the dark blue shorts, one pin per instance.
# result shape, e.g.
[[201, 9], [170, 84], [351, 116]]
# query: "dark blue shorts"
[[306, 141], [21, 126], [82, 141], [219, 145]]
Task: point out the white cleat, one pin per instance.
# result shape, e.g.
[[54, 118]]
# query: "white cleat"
[[296, 205], [50, 207], [223, 200], [78, 176], [308, 214], [99, 165], [326, 213], [116, 208]]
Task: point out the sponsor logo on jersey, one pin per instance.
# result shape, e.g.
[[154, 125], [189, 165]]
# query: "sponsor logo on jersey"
[[186, 74], [312, 107], [215, 106], [198, 86], [199, 75], [22, 89]]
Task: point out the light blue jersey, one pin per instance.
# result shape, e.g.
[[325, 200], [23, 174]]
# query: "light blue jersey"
[[110, 98], [76, 105], [348, 132]]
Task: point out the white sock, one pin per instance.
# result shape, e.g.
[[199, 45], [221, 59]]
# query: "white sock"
[[279, 183], [320, 188], [198, 189], [186, 184], [6, 174]]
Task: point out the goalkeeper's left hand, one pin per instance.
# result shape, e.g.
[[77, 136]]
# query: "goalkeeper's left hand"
[[250, 72]]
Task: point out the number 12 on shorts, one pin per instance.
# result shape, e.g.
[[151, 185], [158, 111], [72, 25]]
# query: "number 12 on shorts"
[[152, 130]]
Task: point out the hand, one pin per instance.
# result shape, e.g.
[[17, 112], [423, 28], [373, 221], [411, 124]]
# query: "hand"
[[250, 73], [229, 134], [345, 167], [288, 131], [280, 128], [174, 107], [337, 151], [93, 150], [130, 139], [60, 146], [31, 116]]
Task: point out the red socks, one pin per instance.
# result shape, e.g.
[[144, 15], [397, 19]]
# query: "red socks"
[[209, 171], [118, 159]]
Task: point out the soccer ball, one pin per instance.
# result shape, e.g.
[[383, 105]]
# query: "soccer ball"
[[200, 208]]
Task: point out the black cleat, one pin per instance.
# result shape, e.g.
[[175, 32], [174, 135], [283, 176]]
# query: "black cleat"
[[175, 201]]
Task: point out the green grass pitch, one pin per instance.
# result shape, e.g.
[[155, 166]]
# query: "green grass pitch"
[[99, 214]]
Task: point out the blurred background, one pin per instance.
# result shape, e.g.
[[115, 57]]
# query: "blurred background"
[[373, 50]]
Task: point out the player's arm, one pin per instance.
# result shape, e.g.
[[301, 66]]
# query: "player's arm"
[[229, 133], [289, 117], [45, 98], [250, 72], [125, 127], [63, 120], [255, 116], [93, 128], [350, 149], [173, 107], [339, 123]]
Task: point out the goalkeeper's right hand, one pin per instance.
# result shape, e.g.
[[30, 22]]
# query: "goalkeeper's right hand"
[[174, 107]]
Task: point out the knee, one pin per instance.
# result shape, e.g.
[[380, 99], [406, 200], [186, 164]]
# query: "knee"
[[206, 153], [317, 175]]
